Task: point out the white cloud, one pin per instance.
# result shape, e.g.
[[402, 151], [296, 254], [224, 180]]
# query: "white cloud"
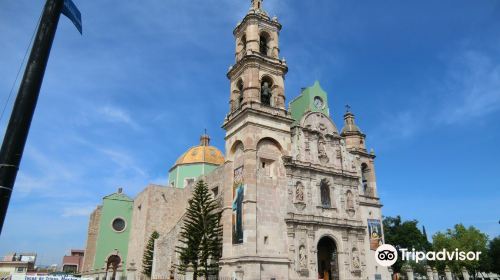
[[123, 160], [117, 115], [468, 91], [78, 211], [46, 176], [474, 88]]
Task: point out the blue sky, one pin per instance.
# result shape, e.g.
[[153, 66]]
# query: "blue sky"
[[119, 104]]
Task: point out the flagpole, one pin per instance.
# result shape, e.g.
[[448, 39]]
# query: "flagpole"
[[24, 106]]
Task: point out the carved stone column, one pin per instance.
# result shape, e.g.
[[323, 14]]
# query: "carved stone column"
[[409, 272], [131, 271], [447, 273], [430, 275], [465, 273], [435, 274]]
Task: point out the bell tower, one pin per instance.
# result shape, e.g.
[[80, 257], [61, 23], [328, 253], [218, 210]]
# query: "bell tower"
[[258, 74], [257, 139]]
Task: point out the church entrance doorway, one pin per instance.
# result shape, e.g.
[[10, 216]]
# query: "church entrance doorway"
[[113, 262], [328, 268]]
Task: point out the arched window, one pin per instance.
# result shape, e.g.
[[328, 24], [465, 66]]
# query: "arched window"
[[263, 45], [325, 194], [364, 178], [239, 85], [265, 91]]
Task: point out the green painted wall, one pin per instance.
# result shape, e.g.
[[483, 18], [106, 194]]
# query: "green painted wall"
[[177, 175], [113, 206], [305, 102]]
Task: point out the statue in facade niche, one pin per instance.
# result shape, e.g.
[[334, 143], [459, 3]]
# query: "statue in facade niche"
[[302, 257], [322, 150], [265, 94], [321, 146], [299, 193], [350, 201], [356, 264]]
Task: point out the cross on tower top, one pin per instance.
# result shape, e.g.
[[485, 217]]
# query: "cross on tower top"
[[347, 108]]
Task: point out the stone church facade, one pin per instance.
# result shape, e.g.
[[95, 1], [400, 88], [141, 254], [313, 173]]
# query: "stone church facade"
[[307, 191], [299, 197]]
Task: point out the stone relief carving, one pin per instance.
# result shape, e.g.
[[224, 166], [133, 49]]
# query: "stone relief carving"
[[348, 159], [316, 137], [307, 149], [298, 145]]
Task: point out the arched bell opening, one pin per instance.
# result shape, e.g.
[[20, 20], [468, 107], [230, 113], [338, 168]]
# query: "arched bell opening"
[[266, 91], [264, 40], [239, 86]]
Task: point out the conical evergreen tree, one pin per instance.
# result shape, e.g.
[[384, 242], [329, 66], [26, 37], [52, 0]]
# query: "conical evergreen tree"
[[201, 234], [147, 259], [427, 244]]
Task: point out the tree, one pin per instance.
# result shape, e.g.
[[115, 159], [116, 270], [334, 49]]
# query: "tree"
[[201, 234], [467, 240], [147, 258], [405, 235], [494, 254]]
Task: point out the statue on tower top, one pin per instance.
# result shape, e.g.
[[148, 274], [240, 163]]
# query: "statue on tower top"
[[257, 7], [257, 4]]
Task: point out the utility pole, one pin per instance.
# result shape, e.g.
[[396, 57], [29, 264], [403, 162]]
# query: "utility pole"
[[24, 106]]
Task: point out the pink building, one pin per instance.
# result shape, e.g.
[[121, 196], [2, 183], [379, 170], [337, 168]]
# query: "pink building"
[[74, 262]]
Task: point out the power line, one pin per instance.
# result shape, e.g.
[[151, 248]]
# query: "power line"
[[20, 68]]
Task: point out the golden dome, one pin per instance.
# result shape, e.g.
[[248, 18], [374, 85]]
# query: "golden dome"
[[202, 154]]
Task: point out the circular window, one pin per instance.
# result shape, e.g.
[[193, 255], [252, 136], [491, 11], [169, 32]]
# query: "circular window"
[[118, 224]]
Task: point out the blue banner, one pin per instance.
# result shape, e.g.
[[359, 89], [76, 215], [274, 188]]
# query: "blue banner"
[[71, 11]]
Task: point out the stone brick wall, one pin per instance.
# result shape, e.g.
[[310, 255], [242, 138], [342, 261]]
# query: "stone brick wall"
[[95, 218], [165, 256], [155, 208]]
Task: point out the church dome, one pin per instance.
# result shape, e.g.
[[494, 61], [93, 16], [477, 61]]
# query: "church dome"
[[203, 153]]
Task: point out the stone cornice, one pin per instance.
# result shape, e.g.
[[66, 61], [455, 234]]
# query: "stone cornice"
[[255, 259], [256, 59], [256, 109], [257, 18], [324, 221], [291, 163], [361, 153], [370, 201], [254, 124]]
